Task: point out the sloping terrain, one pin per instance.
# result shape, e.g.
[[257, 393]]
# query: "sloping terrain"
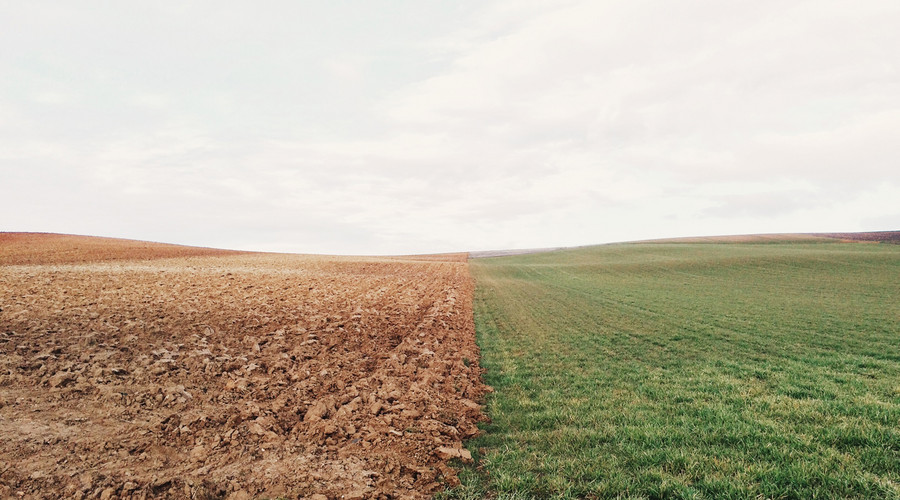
[[875, 236], [48, 248], [485, 254], [233, 376], [749, 238], [870, 237]]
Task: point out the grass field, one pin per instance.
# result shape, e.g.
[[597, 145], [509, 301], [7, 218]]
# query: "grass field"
[[690, 371]]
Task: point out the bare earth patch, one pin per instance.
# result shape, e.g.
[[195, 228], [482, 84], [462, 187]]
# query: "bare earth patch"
[[46, 248], [874, 237], [235, 376]]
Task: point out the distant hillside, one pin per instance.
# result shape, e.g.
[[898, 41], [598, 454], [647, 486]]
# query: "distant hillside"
[[875, 237], [506, 253], [50, 248]]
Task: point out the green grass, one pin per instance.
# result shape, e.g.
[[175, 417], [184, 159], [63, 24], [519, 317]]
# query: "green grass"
[[690, 371]]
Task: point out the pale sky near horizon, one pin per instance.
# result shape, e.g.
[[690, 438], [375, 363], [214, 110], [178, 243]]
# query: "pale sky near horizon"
[[388, 127]]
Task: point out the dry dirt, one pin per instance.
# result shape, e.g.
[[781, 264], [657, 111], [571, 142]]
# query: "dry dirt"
[[873, 237], [867, 237], [231, 375], [48, 248]]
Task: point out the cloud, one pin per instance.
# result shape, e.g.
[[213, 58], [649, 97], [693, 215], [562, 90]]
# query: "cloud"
[[486, 125], [700, 94]]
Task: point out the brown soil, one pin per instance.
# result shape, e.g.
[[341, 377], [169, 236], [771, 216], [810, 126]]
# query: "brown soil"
[[232, 375], [47, 248], [874, 237]]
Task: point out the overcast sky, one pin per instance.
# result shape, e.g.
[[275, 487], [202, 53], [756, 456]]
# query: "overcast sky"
[[379, 127]]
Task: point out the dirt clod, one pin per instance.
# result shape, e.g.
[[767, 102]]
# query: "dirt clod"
[[446, 453]]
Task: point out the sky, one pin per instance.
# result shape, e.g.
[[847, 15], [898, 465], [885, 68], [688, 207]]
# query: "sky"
[[397, 127]]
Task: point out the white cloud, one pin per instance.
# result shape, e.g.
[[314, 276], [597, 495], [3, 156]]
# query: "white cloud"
[[450, 128]]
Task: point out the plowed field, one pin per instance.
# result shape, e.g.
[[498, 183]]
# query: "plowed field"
[[46, 248], [232, 375]]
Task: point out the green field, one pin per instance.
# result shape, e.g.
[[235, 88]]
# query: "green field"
[[690, 371]]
